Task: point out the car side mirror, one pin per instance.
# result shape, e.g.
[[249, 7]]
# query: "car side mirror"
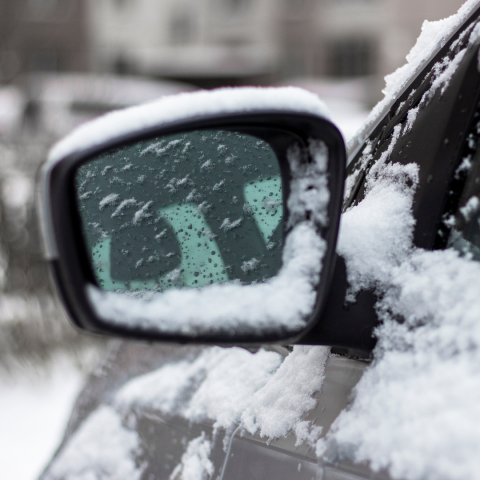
[[207, 217]]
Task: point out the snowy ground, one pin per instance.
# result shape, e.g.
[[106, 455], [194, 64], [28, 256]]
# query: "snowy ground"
[[35, 406], [34, 410]]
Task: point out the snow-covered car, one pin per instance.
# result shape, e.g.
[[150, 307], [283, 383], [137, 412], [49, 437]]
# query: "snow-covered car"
[[305, 356]]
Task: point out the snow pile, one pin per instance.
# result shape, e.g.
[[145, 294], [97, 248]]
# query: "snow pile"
[[433, 36], [226, 379], [101, 448], [281, 304], [234, 387], [195, 464], [376, 234], [416, 409], [279, 406], [187, 106]]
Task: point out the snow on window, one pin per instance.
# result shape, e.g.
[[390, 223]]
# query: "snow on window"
[[142, 213], [101, 448], [309, 185], [228, 224], [416, 409], [376, 234], [250, 265], [282, 302], [124, 205]]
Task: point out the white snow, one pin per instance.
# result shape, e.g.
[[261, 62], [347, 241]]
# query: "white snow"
[[34, 410], [228, 224], [226, 379], [108, 200], [125, 204], [433, 36], [250, 265], [195, 464], [187, 106], [234, 387], [416, 410], [309, 193], [142, 213], [101, 448], [278, 407], [470, 207], [376, 234]]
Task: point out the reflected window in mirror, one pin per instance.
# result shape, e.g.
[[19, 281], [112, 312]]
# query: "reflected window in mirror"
[[184, 210]]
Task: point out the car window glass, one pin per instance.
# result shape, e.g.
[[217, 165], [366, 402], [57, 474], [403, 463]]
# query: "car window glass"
[[465, 234]]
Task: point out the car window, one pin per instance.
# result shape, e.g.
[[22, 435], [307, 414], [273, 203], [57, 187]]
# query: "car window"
[[465, 233]]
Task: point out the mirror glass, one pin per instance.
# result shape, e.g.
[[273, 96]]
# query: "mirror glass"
[[182, 211]]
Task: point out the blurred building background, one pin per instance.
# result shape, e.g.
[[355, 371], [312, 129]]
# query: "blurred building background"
[[65, 61], [213, 42]]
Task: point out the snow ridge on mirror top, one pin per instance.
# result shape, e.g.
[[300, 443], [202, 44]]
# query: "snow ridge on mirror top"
[[186, 106]]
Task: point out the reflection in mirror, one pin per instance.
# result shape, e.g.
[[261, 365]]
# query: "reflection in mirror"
[[184, 210]]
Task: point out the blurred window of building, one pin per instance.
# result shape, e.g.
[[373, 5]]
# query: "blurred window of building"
[[351, 57], [293, 64], [236, 5], [354, 2], [122, 66], [181, 28], [45, 60], [9, 65], [48, 10], [121, 3], [296, 8]]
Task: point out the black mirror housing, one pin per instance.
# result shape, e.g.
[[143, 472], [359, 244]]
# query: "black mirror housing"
[[104, 303]]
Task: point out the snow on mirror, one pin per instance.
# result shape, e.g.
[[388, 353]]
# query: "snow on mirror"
[[165, 218]]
